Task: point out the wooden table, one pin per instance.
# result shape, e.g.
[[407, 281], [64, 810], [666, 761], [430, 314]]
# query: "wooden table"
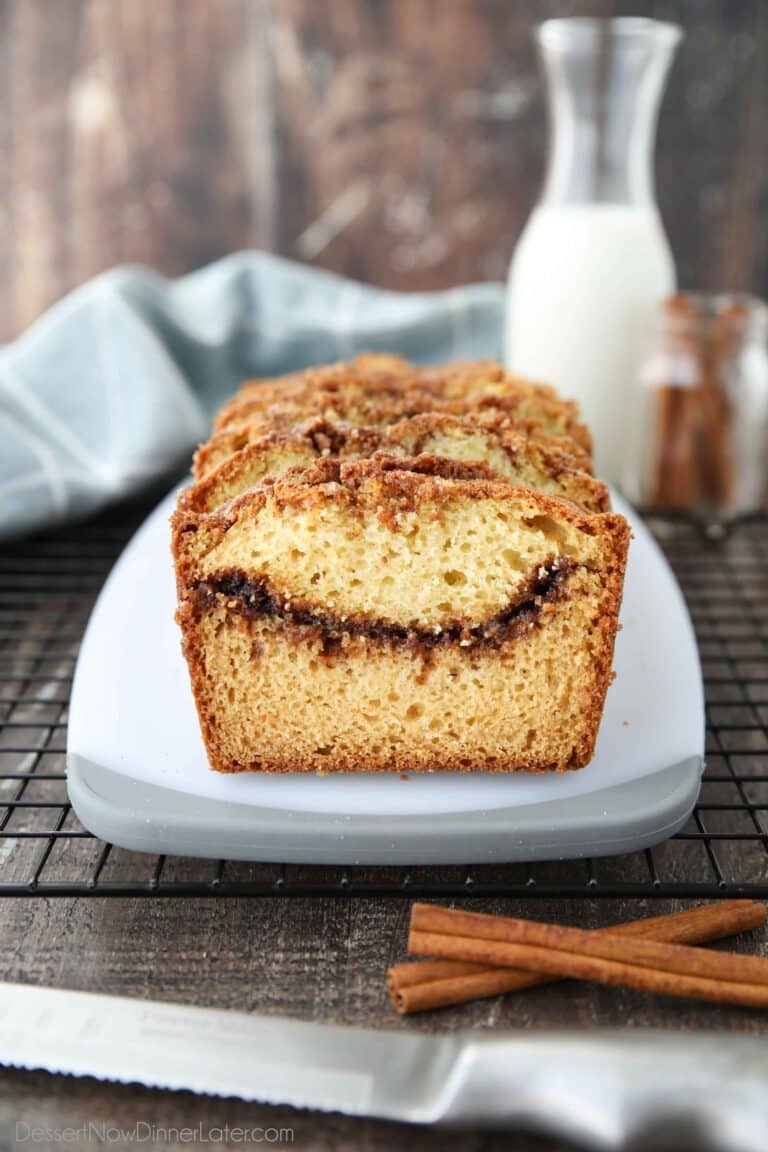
[[319, 959]]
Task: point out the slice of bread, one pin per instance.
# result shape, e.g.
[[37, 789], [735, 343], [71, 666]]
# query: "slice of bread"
[[463, 389], [509, 453], [396, 614], [352, 405]]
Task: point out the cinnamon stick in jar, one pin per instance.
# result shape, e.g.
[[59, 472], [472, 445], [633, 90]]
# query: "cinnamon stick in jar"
[[674, 481], [703, 381]]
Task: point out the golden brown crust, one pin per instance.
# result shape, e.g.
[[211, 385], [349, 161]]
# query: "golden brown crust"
[[229, 441], [432, 433], [378, 368], [408, 482], [297, 446], [457, 388], [388, 404]]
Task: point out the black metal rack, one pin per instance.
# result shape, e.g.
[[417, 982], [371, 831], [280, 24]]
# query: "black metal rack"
[[48, 585]]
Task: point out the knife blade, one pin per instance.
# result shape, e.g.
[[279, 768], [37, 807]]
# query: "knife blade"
[[605, 1089]]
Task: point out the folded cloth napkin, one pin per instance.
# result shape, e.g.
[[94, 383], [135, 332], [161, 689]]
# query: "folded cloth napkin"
[[114, 386]]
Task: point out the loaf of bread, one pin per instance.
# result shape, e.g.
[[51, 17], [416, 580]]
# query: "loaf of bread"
[[388, 568]]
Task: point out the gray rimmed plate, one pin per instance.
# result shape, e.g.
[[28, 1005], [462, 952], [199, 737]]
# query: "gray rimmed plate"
[[138, 776]]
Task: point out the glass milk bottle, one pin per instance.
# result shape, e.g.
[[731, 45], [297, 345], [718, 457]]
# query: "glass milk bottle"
[[593, 262]]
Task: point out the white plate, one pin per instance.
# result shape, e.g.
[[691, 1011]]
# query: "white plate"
[[133, 722]]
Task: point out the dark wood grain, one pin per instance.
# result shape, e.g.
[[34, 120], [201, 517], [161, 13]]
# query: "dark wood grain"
[[321, 959], [399, 141]]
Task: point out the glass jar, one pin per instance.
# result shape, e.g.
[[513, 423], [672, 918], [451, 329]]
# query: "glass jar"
[[705, 389]]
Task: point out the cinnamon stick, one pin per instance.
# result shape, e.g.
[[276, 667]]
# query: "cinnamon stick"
[[420, 986], [604, 958]]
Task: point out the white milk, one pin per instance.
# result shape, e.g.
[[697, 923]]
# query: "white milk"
[[584, 284]]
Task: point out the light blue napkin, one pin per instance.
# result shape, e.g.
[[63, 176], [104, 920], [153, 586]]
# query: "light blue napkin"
[[114, 386]]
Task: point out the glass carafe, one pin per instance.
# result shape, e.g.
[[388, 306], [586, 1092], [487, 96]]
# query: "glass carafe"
[[593, 262]]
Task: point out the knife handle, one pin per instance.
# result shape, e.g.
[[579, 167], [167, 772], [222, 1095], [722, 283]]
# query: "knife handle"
[[612, 1090]]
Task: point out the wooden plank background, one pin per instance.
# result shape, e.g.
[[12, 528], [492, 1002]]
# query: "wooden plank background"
[[399, 141]]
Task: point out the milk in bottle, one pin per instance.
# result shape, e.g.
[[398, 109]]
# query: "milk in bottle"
[[593, 262]]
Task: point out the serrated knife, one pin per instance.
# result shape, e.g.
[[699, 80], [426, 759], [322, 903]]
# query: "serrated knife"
[[606, 1090]]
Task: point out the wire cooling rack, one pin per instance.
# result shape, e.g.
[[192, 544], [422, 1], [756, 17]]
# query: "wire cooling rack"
[[47, 588]]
